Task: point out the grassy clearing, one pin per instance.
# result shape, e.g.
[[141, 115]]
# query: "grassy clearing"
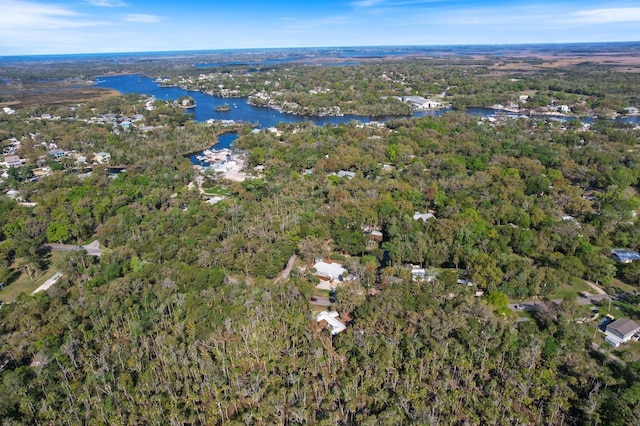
[[570, 289], [628, 309], [217, 191], [24, 284], [620, 286]]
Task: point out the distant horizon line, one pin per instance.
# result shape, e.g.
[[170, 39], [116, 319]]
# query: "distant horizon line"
[[377, 47]]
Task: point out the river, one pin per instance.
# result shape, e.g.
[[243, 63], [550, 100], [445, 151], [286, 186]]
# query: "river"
[[240, 110]]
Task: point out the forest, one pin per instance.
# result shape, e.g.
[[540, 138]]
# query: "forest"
[[184, 317]]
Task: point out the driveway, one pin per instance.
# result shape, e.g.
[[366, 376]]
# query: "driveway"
[[320, 301], [48, 283]]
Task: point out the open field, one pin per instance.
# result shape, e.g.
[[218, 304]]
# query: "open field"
[[570, 289], [20, 89], [23, 284], [24, 95]]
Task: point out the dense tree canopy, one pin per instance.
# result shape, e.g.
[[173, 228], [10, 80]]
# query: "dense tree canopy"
[[182, 319]]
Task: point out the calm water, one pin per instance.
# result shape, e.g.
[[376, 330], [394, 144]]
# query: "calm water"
[[240, 110], [262, 117], [224, 141]]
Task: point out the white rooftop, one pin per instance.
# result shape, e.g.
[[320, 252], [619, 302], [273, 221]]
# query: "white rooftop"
[[423, 216], [332, 319], [330, 269]]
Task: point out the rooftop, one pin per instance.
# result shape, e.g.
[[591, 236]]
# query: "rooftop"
[[422, 216], [625, 256], [332, 319], [330, 269], [624, 326]]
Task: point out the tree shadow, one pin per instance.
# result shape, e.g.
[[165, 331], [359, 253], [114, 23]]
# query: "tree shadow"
[[13, 277]]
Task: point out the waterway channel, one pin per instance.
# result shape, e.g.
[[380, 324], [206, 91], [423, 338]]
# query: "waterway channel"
[[240, 110]]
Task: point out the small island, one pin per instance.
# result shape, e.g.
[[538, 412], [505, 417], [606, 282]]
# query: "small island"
[[186, 102], [223, 108]]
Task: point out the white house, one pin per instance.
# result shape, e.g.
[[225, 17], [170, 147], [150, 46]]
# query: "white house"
[[14, 194], [422, 216], [620, 331], [102, 157], [13, 161], [332, 320], [331, 273], [418, 102], [346, 173]]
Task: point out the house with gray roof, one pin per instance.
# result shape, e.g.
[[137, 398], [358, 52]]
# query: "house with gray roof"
[[12, 161], [620, 331]]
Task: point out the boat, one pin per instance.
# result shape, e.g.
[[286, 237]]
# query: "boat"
[[223, 108]]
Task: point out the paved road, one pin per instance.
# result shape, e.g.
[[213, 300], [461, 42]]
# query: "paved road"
[[284, 275], [321, 301], [48, 283], [92, 249], [529, 306], [588, 300]]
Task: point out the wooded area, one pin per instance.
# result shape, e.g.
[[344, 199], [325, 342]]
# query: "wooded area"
[[181, 321]]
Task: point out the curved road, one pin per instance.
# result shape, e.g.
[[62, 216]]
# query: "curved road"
[[92, 248]]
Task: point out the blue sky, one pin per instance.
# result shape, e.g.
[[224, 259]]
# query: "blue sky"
[[97, 26]]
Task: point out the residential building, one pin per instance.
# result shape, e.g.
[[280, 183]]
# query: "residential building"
[[624, 256], [13, 161], [57, 153], [14, 194], [620, 331], [347, 174], [331, 318], [423, 216], [331, 273], [418, 102], [102, 157], [376, 235]]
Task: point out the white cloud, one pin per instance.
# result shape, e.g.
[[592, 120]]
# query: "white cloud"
[[141, 18], [367, 3], [29, 16], [107, 3], [605, 16], [386, 3]]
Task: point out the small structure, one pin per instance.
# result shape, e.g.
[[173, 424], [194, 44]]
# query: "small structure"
[[14, 194], [214, 200], [347, 174], [420, 274], [624, 256], [57, 153], [331, 318], [102, 157], [423, 216], [620, 331], [376, 235]]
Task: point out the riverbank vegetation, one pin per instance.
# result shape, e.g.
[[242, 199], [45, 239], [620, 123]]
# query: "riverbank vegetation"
[[182, 319]]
